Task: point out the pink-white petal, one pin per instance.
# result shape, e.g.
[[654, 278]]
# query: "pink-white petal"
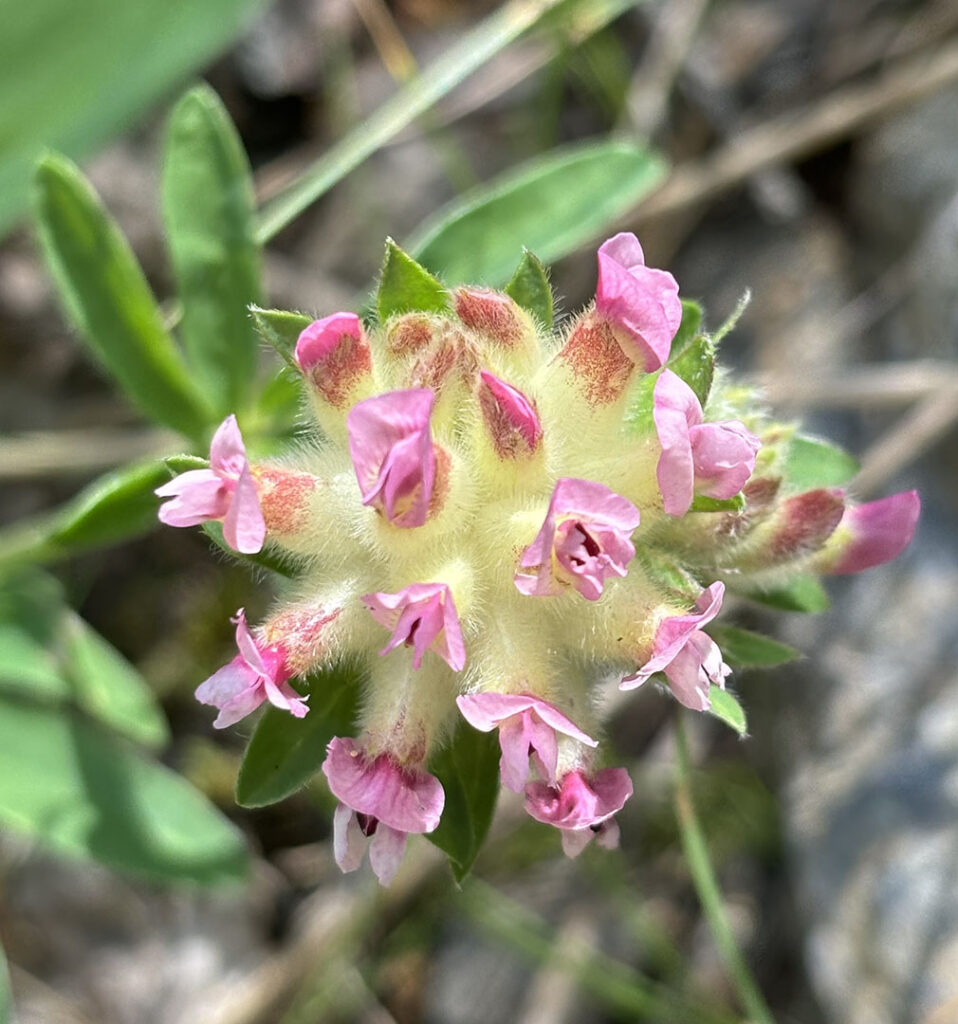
[[880, 531], [386, 849], [507, 411], [349, 843], [244, 528], [284, 697], [322, 337], [724, 457], [675, 410], [575, 840], [199, 495], [247, 646], [227, 451], [226, 683]]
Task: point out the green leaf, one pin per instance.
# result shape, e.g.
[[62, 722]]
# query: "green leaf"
[[742, 648], [552, 204], [468, 769], [285, 752], [268, 558], [695, 364], [81, 791], [30, 605], [107, 687], [725, 706], [812, 463], [108, 300], [208, 208], [184, 463], [115, 507], [404, 286], [529, 287], [279, 403], [280, 329], [803, 594], [86, 88], [690, 327], [703, 503]]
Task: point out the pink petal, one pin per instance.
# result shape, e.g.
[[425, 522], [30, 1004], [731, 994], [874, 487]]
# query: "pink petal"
[[724, 457], [386, 851], [484, 711], [284, 697], [199, 495], [510, 417], [227, 451], [322, 337], [575, 840], [247, 646], [642, 302], [674, 632], [234, 689], [349, 843], [675, 410], [579, 802], [392, 454], [423, 615], [404, 799], [334, 356], [880, 531], [687, 678], [244, 528]]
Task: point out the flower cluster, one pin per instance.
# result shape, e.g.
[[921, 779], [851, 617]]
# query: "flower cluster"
[[492, 517]]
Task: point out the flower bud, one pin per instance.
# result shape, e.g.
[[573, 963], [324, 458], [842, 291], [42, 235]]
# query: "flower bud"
[[334, 357]]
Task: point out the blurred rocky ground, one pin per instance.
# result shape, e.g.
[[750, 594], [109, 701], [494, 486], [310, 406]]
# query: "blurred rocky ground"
[[842, 884]]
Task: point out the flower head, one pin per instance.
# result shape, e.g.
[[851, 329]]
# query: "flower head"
[[528, 727], [255, 675], [226, 491], [689, 657], [641, 303], [381, 801], [392, 453], [581, 806], [422, 616], [586, 537], [715, 459]]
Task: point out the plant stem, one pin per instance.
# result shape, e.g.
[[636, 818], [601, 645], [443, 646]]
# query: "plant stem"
[[475, 48], [706, 887]]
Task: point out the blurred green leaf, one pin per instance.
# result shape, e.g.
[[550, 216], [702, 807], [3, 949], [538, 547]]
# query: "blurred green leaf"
[[279, 403], [184, 463], [696, 366], [703, 503], [6, 1003], [803, 594], [281, 329], [69, 79], [468, 768], [107, 687], [742, 648], [812, 463], [108, 300], [405, 285], [552, 204], [83, 792], [284, 753], [725, 706], [115, 507], [268, 558], [529, 287], [208, 208]]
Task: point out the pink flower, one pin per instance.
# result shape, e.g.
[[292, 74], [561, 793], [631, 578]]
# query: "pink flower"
[[715, 459], [379, 800], [690, 658], [585, 539], [510, 417], [392, 452], [255, 675], [334, 355], [527, 726], [875, 533], [422, 616], [581, 807], [638, 301], [225, 491]]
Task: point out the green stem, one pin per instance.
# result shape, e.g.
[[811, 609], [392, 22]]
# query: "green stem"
[[706, 886], [475, 48]]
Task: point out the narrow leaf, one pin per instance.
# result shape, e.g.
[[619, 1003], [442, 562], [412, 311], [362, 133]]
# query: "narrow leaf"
[[742, 648], [405, 285], [208, 208], [812, 463], [79, 790], [284, 753], [725, 706], [468, 769], [553, 204], [689, 328], [803, 594], [529, 287], [280, 329], [108, 300]]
